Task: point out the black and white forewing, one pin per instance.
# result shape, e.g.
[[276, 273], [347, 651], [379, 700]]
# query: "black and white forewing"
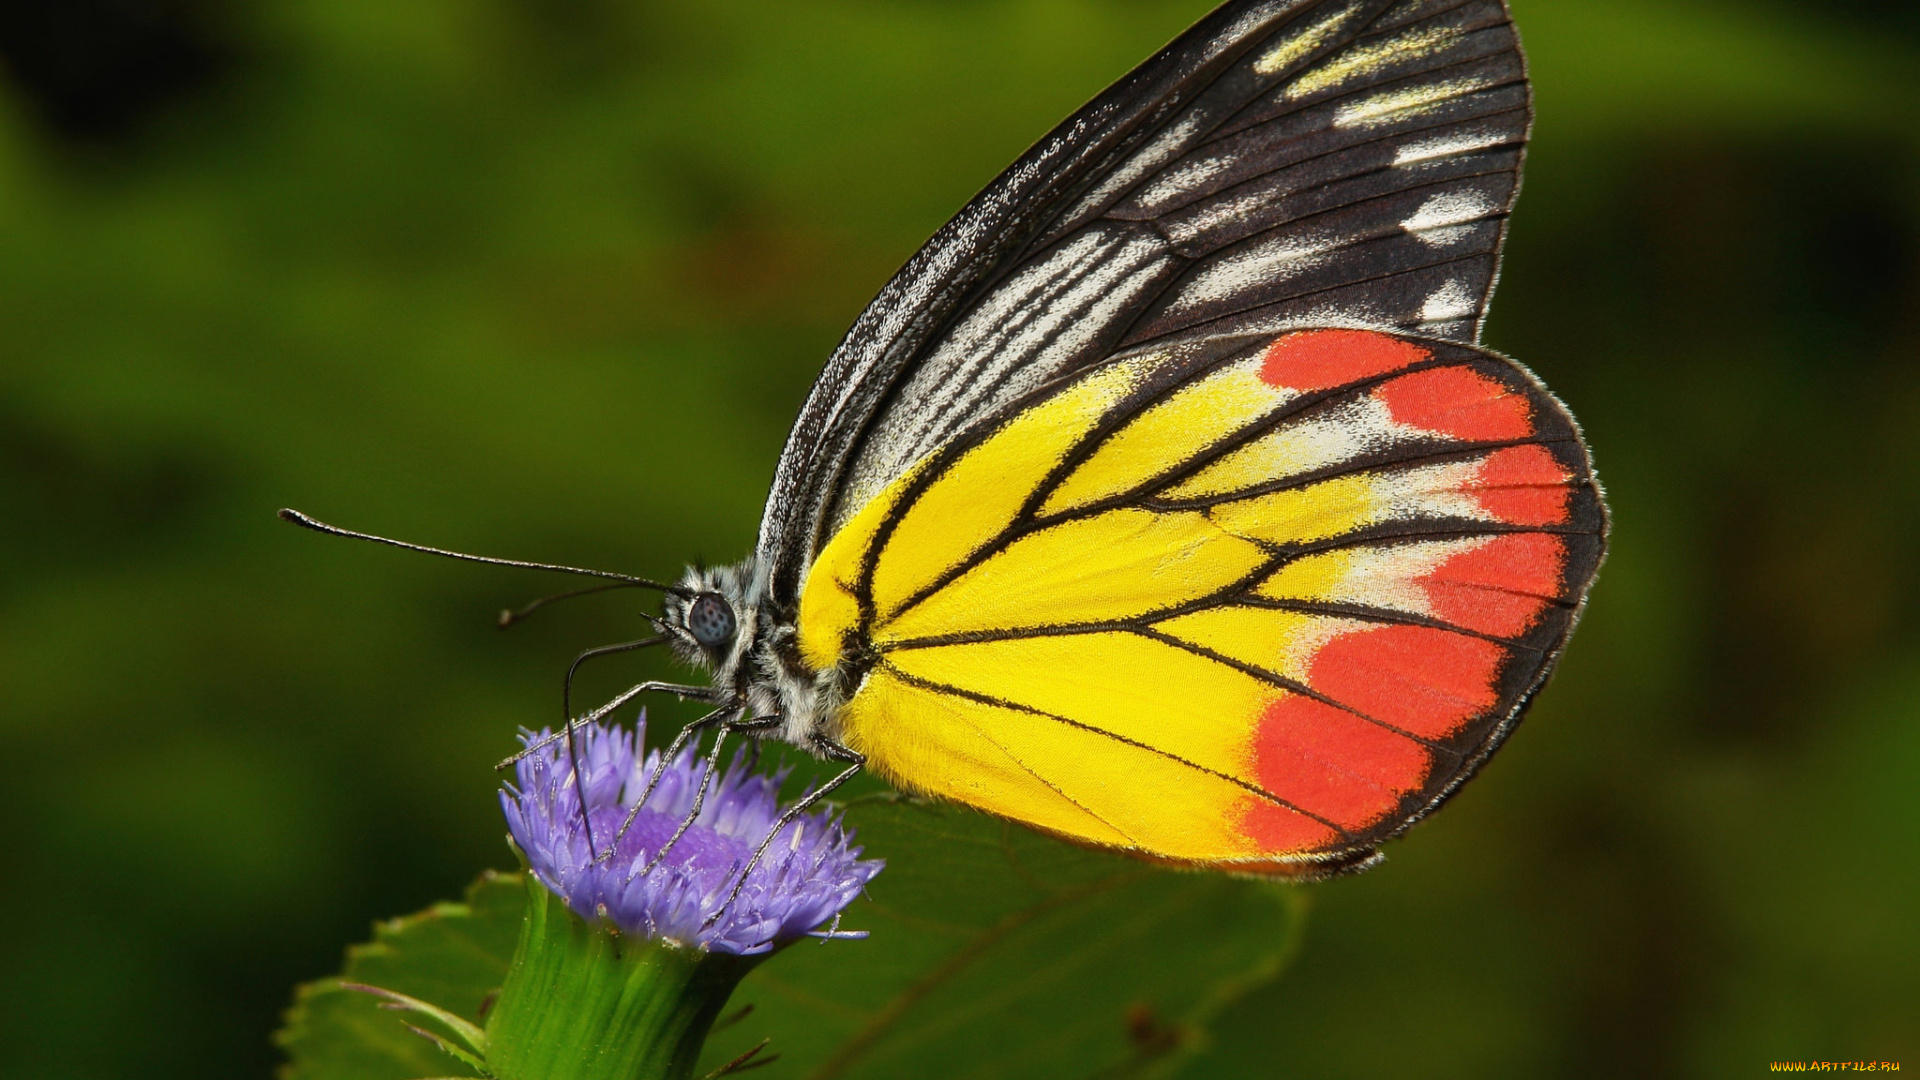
[[1282, 163]]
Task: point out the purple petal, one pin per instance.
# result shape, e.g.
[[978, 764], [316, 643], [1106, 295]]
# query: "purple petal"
[[809, 874]]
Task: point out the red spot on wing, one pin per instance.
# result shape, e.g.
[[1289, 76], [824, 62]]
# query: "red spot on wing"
[[1500, 586], [1523, 485], [1334, 764], [1417, 678], [1277, 829], [1460, 402], [1323, 359]]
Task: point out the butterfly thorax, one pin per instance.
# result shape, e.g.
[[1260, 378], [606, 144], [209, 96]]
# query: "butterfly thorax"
[[757, 666]]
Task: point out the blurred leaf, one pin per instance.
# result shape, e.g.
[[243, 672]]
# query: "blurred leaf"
[[450, 955], [996, 952]]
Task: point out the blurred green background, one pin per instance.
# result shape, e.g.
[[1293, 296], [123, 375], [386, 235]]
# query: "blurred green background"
[[549, 279]]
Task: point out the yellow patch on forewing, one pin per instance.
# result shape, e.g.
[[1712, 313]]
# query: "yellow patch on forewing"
[[1364, 60], [978, 496], [1383, 576], [1346, 503], [1282, 642], [1120, 682], [1112, 565], [1166, 435], [1295, 47], [1096, 788]]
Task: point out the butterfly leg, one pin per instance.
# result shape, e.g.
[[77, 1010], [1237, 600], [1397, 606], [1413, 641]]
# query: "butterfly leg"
[[833, 751], [727, 728], [757, 729], [673, 751], [705, 694]]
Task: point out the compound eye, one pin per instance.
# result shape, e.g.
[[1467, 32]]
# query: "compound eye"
[[710, 620]]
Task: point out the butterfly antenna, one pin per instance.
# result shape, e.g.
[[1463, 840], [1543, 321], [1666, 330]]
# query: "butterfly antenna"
[[509, 616], [628, 580]]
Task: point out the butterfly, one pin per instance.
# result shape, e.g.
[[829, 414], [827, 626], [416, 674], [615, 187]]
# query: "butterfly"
[[1165, 501]]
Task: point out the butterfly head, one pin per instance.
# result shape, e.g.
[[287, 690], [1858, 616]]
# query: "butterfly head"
[[714, 617]]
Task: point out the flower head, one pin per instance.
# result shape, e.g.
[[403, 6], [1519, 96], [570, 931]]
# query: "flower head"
[[809, 873]]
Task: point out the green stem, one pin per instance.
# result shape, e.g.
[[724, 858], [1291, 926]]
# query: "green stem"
[[584, 1002]]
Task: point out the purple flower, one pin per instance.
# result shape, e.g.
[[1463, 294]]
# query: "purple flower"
[[809, 873]]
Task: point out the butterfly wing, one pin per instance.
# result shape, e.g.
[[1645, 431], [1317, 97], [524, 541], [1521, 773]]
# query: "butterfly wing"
[[1255, 602], [1347, 161]]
